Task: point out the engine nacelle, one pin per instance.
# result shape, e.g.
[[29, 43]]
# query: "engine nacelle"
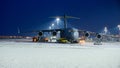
[[54, 33], [99, 36], [40, 33], [87, 34]]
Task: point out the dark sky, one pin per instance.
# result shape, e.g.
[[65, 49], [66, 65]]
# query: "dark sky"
[[33, 14]]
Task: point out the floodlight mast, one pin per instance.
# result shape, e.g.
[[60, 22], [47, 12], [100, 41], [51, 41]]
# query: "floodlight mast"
[[65, 17], [119, 28]]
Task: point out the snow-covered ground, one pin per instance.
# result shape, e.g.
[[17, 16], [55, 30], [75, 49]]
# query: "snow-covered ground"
[[25, 54]]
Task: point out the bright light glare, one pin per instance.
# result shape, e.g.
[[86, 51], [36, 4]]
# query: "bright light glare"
[[49, 27], [105, 29], [58, 19], [52, 24], [118, 27]]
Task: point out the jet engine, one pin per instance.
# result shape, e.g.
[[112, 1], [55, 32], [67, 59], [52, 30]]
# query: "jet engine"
[[54, 33], [40, 33], [98, 40], [99, 36], [87, 34]]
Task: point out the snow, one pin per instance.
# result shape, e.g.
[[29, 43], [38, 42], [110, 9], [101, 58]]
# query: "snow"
[[25, 54]]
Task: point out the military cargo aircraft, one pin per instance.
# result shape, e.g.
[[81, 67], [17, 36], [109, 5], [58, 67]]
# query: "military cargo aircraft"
[[70, 34]]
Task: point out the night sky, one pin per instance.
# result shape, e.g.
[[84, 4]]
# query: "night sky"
[[34, 14]]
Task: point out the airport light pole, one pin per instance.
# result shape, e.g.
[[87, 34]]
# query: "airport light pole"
[[119, 31], [57, 19], [52, 25], [105, 30], [119, 28]]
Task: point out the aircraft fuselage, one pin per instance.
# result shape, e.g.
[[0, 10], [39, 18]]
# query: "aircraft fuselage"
[[71, 34]]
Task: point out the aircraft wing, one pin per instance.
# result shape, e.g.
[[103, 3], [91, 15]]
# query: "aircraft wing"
[[51, 30], [98, 35], [112, 36], [37, 31], [84, 31]]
